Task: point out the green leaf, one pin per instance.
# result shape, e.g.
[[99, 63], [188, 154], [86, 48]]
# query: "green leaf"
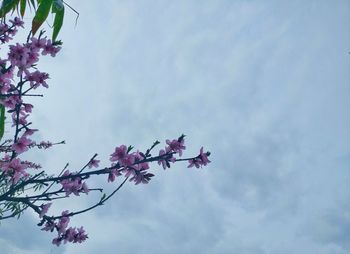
[[2, 120], [57, 23], [7, 6], [57, 6], [23, 7], [130, 148], [41, 15]]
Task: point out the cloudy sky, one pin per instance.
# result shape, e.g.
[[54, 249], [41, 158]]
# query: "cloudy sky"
[[263, 85]]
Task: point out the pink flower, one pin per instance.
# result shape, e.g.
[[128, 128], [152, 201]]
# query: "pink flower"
[[141, 177], [57, 241], [49, 226], [75, 235], [166, 157], [44, 209], [17, 22], [93, 163], [29, 132], [113, 174], [22, 120], [18, 55], [21, 145], [200, 160], [69, 235], [80, 236], [85, 188], [73, 185], [27, 107], [6, 80], [129, 171], [33, 57], [119, 153], [128, 160], [37, 44], [177, 145], [162, 162], [140, 166], [63, 222], [15, 168], [49, 48], [194, 162], [204, 157], [11, 101], [37, 78]]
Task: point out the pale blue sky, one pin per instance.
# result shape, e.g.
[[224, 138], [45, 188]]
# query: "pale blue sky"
[[263, 85]]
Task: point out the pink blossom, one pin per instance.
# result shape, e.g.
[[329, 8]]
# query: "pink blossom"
[[21, 145], [85, 188], [69, 235], [63, 222], [44, 209], [27, 107], [37, 78], [177, 145], [74, 185], [49, 48], [164, 160], [49, 226], [18, 175], [74, 235], [200, 160], [15, 168], [93, 163], [18, 55], [57, 241], [3, 28], [5, 80], [29, 132], [204, 157], [128, 171], [22, 120], [17, 22], [11, 101], [113, 174], [37, 44], [33, 56], [194, 162], [128, 160], [80, 236], [4, 87], [141, 177], [119, 153], [140, 166]]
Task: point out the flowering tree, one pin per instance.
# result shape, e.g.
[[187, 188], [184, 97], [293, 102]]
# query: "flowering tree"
[[23, 184]]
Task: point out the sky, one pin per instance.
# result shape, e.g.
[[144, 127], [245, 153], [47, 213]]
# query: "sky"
[[263, 85]]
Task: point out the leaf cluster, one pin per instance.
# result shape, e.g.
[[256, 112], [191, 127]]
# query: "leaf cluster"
[[42, 10]]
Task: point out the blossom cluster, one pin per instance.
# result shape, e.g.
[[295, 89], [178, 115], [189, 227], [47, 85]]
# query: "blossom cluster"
[[21, 62], [8, 31], [73, 185], [65, 233]]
